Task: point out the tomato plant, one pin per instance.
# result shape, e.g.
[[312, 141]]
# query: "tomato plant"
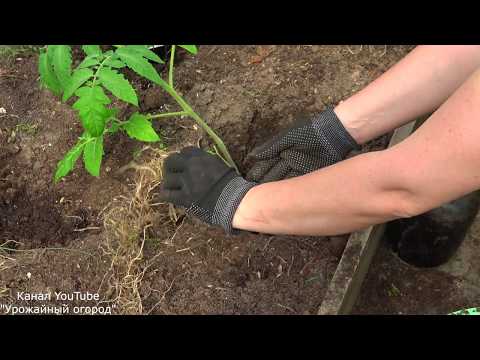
[[100, 76]]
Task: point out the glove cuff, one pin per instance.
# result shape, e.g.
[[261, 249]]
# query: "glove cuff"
[[339, 138], [228, 202]]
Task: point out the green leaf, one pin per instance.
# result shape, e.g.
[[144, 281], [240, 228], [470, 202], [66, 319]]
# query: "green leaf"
[[113, 113], [137, 63], [68, 162], [89, 61], [140, 128], [118, 85], [113, 126], [112, 60], [78, 78], [92, 49], [92, 155], [92, 110], [146, 52], [47, 76], [51, 53], [114, 63], [96, 92], [62, 62], [192, 49]]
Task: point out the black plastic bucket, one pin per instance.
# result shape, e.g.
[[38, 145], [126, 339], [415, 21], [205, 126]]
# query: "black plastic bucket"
[[432, 238]]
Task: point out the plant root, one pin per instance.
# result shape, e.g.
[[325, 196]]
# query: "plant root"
[[126, 222]]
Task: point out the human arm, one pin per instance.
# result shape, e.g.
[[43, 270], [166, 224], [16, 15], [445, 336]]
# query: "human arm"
[[438, 163], [415, 86]]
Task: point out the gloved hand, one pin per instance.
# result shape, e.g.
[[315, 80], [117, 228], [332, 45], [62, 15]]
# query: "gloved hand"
[[204, 185], [307, 146]]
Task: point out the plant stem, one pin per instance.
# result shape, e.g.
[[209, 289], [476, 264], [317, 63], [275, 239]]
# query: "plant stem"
[[98, 69], [187, 108], [178, 113], [219, 155], [170, 72]]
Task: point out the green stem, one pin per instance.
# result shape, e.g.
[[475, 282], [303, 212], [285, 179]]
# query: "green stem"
[[98, 69], [178, 113], [219, 155], [170, 72], [119, 122], [186, 107]]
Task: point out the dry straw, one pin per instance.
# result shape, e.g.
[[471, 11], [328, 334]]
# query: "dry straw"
[[126, 223]]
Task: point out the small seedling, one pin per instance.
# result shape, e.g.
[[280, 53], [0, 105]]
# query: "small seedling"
[[394, 291], [97, 78]]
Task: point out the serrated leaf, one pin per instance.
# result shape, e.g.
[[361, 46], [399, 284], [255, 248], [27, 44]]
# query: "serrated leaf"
[[112, 60], [140, 128], [92, 110], [62, 63], [192, 49], [92, 49], [92, 155], [78, 78], [93, 118], [89, 61], [114, 63], [137, 63], [146, 52], [47, 76], [118, 85], [68, 162], [96, 92]]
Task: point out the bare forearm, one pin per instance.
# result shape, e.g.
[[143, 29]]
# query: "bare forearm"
[[335, 200], [440, 162], [415, 86]]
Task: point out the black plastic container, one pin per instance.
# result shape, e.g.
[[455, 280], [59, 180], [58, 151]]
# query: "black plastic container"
[[432, 238]]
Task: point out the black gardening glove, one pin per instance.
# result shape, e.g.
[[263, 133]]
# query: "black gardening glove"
[[204, 185], [307, 146]]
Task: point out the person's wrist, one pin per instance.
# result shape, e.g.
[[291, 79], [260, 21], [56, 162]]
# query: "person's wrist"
[[351, 121], [229, 200], [239, 220]]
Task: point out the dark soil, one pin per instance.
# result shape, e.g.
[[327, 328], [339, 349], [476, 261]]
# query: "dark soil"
[[240, 274], [394, 287], [246, 93]]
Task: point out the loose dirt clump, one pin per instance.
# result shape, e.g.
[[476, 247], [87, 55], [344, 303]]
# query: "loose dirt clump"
[[26, 214]]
